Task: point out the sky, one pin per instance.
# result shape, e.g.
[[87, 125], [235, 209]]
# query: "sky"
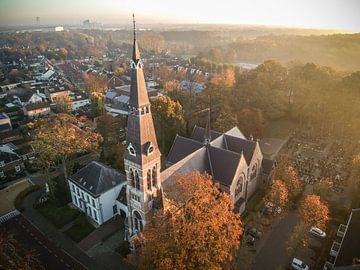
[[325, 14]]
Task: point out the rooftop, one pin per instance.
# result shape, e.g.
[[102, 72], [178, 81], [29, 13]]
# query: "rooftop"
[[96, 178]]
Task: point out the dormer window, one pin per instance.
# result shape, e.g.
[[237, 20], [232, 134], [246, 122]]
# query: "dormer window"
[[149, 148], [131, 150]]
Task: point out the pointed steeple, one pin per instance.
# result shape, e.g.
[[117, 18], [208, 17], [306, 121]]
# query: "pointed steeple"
[[138, 93], [136, 52], [207, 135]]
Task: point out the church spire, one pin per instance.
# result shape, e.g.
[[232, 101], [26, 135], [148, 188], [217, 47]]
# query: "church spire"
[[136, 52], [138, 93], [207, 135]]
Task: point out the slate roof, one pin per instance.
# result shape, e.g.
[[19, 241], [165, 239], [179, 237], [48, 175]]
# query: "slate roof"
[[122, 196], [220, 158], [239, 145], [5, 127], [25, 96], [96, 178], [8, 157], [181, 148], [199, 133], [37, 106], [267, 165], [350, 247]]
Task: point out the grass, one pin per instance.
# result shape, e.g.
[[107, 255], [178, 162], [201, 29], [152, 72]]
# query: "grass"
[[80, 229], [279, 129], [59, 216], [20, 197]]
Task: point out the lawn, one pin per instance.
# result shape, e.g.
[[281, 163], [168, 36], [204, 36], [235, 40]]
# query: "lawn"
[[59, 216], [80, 229], [279, 129]]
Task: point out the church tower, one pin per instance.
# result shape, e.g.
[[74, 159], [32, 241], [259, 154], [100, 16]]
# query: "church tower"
[[142, 154]]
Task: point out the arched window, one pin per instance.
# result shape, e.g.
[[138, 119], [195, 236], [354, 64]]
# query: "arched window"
[[148, 176], [137, 181], [154, 176], [132, 178], [253, 171], [137, 222], [239, 186]]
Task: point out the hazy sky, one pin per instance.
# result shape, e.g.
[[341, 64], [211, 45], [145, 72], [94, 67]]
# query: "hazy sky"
[[334, 14]]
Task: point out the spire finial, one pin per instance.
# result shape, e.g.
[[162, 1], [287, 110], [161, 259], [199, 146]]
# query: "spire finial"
[[134, 22]]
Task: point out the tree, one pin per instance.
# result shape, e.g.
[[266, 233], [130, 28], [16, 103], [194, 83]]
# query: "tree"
[[58, 137], [96, 85], [120, 71], [314, 212], [169, 120], [251, 121], [198, 230], [63, 104], [225, 121], [278, 194], [286, 172], [63, 53]]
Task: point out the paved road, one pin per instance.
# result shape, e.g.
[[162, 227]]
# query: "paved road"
[[273, 254], [50, 256]]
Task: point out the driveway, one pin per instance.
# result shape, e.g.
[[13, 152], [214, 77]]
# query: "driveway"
[[273, 254]]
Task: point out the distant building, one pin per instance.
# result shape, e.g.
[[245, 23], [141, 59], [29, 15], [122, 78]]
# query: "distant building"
[[59, 29], [79, 100], [25, 96], [346, 249], [10, 163], [5, 122], [35, 110], [54, 94], [96, 190]]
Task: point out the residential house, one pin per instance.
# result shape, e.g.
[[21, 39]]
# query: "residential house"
[[35, 110], [96, 189], [54, 94], [5, 122], [10, 163]]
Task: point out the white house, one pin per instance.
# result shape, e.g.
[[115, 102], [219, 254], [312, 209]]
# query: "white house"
[[79, 100], [99, 192]]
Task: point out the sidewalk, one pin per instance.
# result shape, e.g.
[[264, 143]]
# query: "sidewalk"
[[51, 233]]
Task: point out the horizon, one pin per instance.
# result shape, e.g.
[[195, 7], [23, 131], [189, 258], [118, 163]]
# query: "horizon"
[[326, 15]]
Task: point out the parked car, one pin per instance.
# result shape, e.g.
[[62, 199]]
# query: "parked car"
[[317, 232], [253, 232], [299, 265]]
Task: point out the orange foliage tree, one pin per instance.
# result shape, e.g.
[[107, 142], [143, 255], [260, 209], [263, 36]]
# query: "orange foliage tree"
[[278, 194], [286, 172], [198, 230], [58, 137], [314, 212], [169, 120]]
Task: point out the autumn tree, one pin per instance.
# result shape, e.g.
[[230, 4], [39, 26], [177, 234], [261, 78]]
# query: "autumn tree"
[[286, 172], [251, 121], [169, 120], [198, 229], [96, 85], [324, 189], [63, 105], [63, 53], [59, 138], [278, 194], [120, 71], [225, 121], [314, 212]]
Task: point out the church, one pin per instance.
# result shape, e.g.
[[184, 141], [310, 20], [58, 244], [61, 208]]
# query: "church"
[[232, 160]]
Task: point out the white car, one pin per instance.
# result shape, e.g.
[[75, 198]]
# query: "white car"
[[299, 265], [317, 232]]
